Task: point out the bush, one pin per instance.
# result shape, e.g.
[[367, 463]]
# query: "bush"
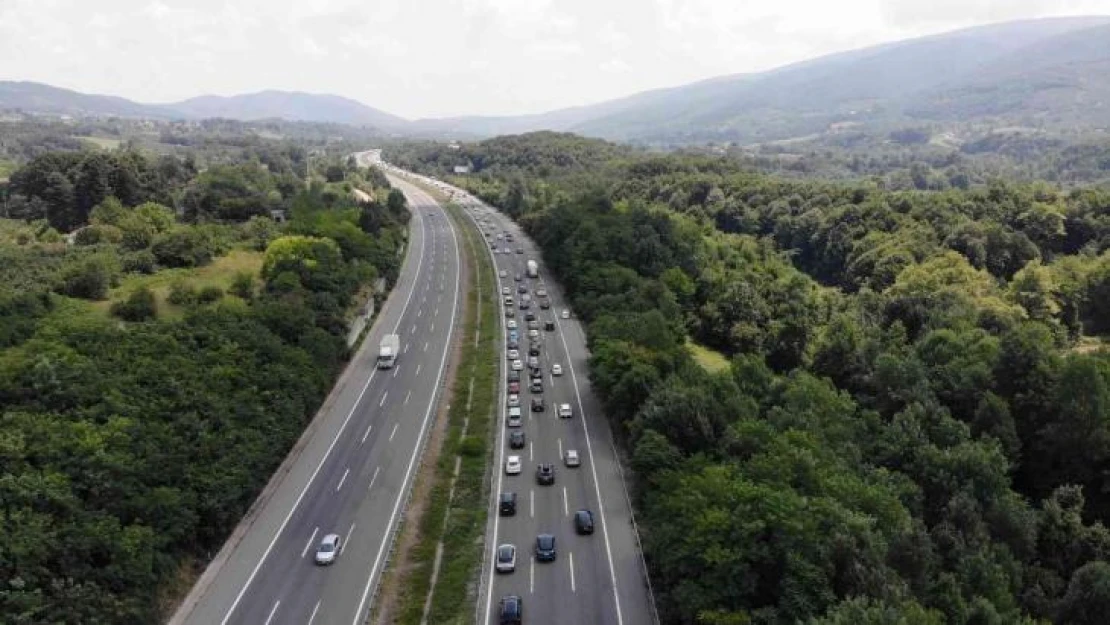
[[142, 261], [139, 306], [90, 278], [182, 294], [184, 247], [93, 235], [242, 285], [210, 294]]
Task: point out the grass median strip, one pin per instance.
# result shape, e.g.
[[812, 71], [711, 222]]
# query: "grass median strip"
[[436, 583]]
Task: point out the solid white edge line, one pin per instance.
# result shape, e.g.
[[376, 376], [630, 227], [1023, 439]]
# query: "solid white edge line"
[[423, 427], [311, 539], [327, 454]]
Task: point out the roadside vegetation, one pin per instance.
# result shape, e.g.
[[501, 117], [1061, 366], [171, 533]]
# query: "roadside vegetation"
[[163, 342], [906, 431]]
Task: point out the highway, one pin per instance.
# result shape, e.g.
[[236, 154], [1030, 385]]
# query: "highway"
[[353, 469], [598, 579]]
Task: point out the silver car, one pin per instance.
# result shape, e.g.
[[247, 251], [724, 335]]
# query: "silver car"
[[506, 558], [329, 549]]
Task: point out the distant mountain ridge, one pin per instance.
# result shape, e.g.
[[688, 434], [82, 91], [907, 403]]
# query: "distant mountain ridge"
[[1035, 72]]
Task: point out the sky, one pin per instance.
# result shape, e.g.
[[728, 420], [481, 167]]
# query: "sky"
[[440, 58]]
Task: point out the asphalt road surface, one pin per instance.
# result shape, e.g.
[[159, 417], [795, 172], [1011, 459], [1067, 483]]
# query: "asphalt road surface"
[[598, 579], [356, 468]]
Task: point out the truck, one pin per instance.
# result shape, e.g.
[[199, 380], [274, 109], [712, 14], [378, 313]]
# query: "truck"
[[533, 269], [388, 350]]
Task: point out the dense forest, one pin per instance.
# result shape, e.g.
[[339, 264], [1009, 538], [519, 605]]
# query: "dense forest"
[[166, 332], [914, 426]]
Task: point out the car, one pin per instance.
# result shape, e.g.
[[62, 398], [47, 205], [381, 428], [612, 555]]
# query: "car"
[[518, 277], [533, 362], [493, 246], [511, 324], [565, 411], [565, 314], [506, 504], [510, 312], [529, 316], [534, 349], [514, 400], [506, 290], [513, 344], [513, 376], [522, 289], [570, 458], [545, 474], [533, 325], [545, 303], [517, 365], [556, 369], [511, 610], [512, 465], [512, 354], [503, 274], [506, 558], [541, 292], [516, 439], [537, 404], [536, 386], [520, 250], [584, 522], [514, 335], [514, 387], [500, 236], [513, 417], [549, 325], [533, 334], [329, 549], [525, 304], [545, 548], [509, 300]]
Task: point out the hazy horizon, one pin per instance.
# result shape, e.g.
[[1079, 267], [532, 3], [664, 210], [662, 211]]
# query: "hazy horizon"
[[471, 57]]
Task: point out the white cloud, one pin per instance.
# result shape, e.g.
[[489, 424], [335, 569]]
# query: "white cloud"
[[448, 57]]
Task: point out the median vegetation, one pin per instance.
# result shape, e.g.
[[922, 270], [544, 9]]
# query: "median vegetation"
[[438, 580], [156, 365], [914, 426]]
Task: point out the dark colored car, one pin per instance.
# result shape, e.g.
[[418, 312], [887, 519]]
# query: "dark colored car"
[[516, 439], [512, 610], [545, 303], [512, 344], [545, 548], [522, 289], [536, 386], [537, 404], [529, 316], [506, 504], [549, 325], [545, 474], [514, 376], [534, 349], [584, 522]]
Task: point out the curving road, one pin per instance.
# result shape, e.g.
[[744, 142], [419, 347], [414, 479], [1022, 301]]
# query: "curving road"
[[353, 469], [598, 579]]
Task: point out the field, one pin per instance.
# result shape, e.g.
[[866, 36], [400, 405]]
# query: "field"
[[710, 360], [220, 273], [103, 143]]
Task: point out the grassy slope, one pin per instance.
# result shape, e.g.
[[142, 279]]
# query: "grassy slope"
[[710, 360]]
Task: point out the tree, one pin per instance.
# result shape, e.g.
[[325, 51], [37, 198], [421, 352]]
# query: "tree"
[[1087, 601]]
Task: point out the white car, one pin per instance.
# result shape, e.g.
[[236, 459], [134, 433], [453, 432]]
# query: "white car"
[[565, 411], [570, 458], [513, 354], [533, 334], [503, 273], [506, 559], [329, 549], [518, 365], [512, 465], [514, 400], [565, 314], [511, 324], [556, 369], [506, 290]]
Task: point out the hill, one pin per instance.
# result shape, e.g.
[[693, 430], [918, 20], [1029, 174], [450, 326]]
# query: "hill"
[[288, 105], [36, 97]]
